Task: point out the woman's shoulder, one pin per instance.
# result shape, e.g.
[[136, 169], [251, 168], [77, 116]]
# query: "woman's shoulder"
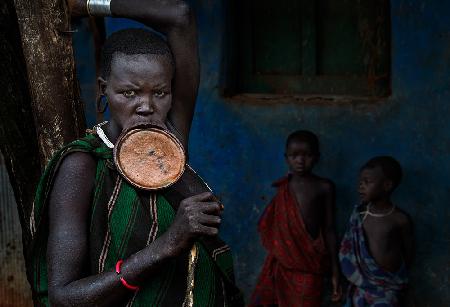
[[89, 145], [77, 162], [77, 169]]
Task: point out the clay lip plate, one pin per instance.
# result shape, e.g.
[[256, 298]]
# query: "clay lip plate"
[[150, 158]]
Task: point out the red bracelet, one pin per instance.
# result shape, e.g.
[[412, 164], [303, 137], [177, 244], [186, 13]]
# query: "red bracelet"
[[122, 280]]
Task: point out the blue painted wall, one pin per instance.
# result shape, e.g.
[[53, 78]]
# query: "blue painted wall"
[[238, 147]]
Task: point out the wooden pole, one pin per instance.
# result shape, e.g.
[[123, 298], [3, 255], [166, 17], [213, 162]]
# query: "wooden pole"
[[18, 142], [40, 108], [47, 46]]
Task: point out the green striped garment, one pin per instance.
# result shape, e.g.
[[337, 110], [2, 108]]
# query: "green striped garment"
[[123, 221]]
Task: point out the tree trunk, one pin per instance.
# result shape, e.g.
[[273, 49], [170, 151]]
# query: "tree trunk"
[[17, 131], [40, 109], [47, 46]]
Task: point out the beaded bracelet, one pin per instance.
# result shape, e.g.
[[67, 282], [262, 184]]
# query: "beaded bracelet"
[[122, 280]]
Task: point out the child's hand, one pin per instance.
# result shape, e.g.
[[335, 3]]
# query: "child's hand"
[[337, 288]]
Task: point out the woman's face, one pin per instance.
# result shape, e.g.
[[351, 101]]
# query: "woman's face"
[[138, 90]]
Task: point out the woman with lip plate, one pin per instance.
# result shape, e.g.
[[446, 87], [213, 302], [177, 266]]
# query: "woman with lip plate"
[[99, 241]]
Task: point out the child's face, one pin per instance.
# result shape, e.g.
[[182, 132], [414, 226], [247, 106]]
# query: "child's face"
[[373, 184], [300, 157], [139, 89]]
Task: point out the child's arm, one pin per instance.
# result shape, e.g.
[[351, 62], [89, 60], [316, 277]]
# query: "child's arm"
[[174, 19], [330, 238]]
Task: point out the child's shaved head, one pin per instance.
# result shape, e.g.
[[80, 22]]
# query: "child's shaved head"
[[306, 137], [390, 167], [131, 42]]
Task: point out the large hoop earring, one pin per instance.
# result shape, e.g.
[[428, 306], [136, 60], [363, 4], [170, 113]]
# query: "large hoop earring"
[[102, 104]]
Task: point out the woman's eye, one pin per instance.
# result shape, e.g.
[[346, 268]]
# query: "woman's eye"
[[160, 94], [129, 94]]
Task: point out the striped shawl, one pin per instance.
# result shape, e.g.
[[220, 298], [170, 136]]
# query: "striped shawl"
[[123, 221]]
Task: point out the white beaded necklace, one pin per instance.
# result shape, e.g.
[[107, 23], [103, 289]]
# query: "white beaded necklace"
[[367, 212], [101, 134]]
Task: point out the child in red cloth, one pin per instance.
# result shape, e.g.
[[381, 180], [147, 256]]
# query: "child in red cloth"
[[297, 229]]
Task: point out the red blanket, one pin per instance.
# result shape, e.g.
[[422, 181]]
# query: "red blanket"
[[292, 274]]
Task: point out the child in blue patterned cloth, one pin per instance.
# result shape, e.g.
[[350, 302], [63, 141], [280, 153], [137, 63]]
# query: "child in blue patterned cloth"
[[377, 247]]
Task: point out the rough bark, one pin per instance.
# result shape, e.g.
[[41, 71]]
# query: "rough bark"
[[47, 47], [40, 109]]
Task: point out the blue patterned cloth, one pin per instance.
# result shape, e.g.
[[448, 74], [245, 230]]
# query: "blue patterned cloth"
[[370, 285]]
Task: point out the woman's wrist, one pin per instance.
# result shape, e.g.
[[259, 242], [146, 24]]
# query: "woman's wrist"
[[139, 265]]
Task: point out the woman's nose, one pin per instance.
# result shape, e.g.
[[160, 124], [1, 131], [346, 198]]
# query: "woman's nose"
[[146, 107]]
